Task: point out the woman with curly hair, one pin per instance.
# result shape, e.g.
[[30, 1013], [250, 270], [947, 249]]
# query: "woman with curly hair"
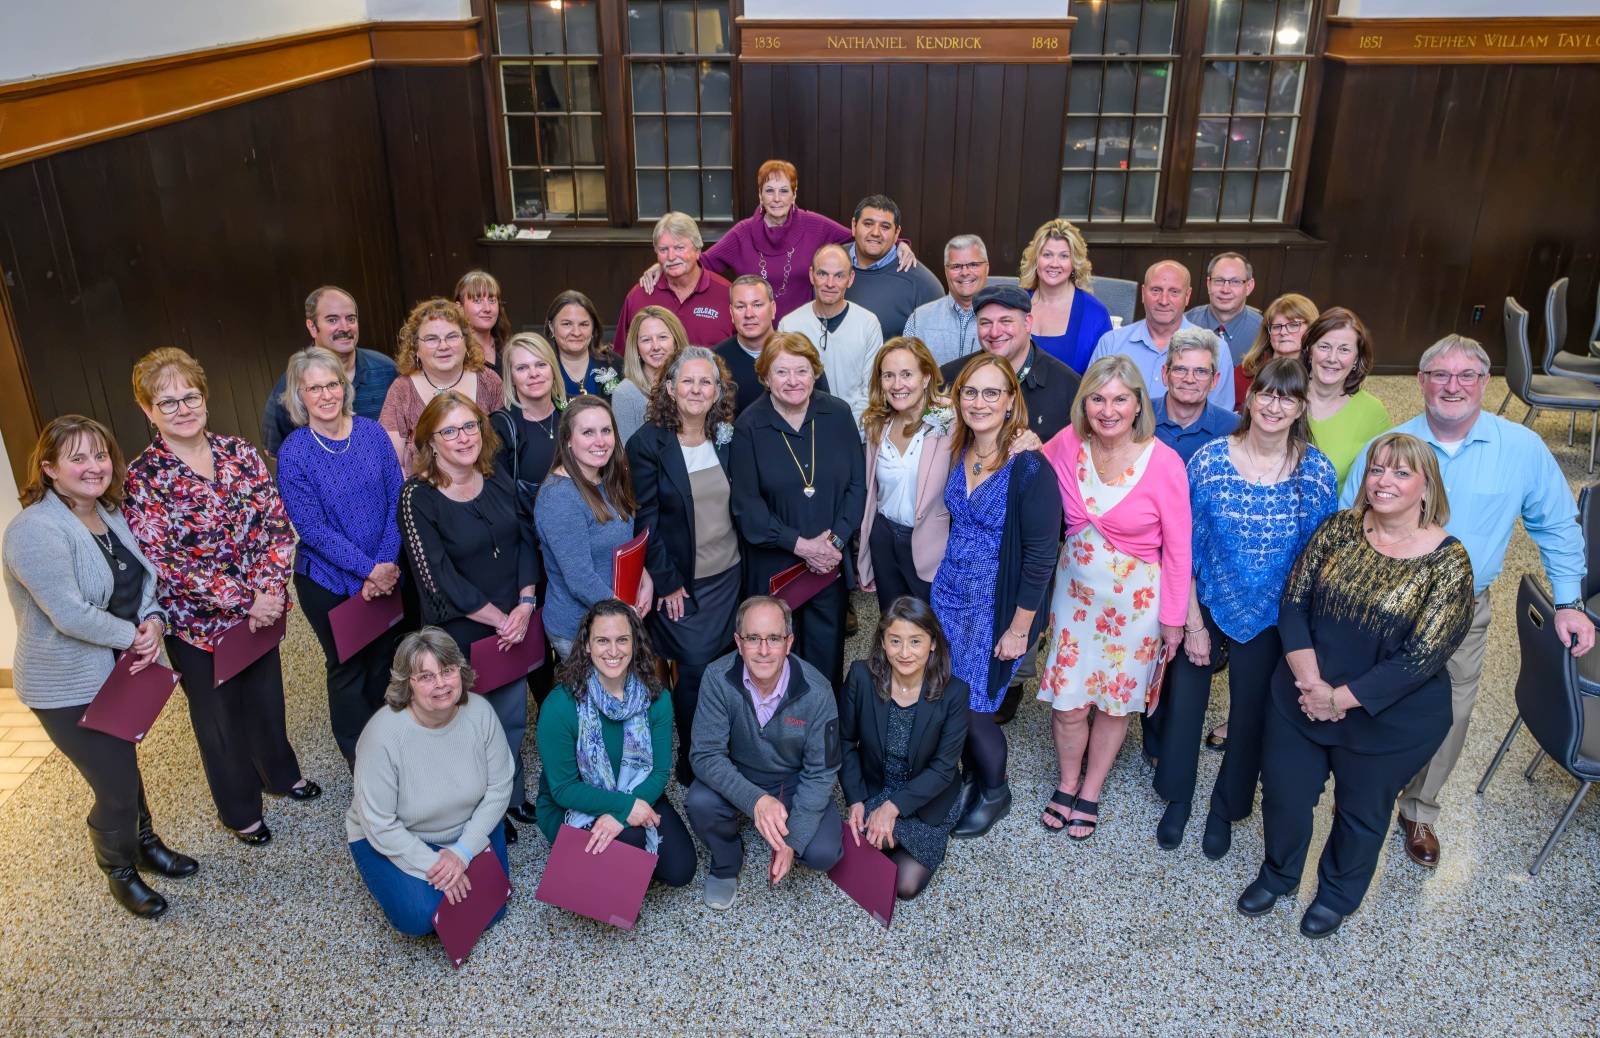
[[436, 354]]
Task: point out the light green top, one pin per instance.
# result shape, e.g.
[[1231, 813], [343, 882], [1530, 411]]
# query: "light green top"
[[1346, 434]]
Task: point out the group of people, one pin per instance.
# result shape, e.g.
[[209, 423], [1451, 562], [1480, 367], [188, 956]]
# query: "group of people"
[[1006, 467]]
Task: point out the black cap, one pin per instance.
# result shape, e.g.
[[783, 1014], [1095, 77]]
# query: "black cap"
[[1009, 296]]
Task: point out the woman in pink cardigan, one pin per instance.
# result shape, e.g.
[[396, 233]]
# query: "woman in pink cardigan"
[[1121, 587]]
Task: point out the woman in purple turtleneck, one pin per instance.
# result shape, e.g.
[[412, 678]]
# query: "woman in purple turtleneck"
[[777, 241]]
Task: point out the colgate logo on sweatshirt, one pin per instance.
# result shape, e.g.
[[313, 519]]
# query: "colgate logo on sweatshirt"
[[710, 313], [794, 722]]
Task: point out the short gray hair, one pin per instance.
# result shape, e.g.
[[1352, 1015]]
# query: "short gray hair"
[[1453, 343], [966, 241], [299, 364], [430, 641], [679, 225], [1194, 338], [1249, 271], [755, 601]]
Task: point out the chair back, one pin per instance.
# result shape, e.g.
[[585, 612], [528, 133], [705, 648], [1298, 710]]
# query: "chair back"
[[1548, 695], [1594, 332], [1589, 523], [1519, 361], [1555, 323], [1120, 296]]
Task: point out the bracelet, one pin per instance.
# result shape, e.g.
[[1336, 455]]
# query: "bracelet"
[[527, 600], [1194, 630]]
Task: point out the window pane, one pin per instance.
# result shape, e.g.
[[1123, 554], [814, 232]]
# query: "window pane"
[[650, 141], [644, 28], [1294, 20], [516, 87], [1216, 90], [714, 28], [647, 90], [716, 91], [1250, 94], [683, 143], [683, 189], [527, 194], [1159, 18], [560, 197], [546, 33], [717, 187], [678, 19], [1113, 151], [585, 86], [1255, 32], [1108, 189], [1147, 143], [550, 86], [1122, 30], [512, 20], [1222, 27], [1141, 200], [1075, 195], [592, 193], [1286, 83], [522, 147], [1119, 87], [1244, 143], [652, 195], [1079, 150], [1083, 88], [1210, 140], [583, 36], [1203, 189], [1277, 146], [681, 87], [1153, 80], [716, 141], [588, 140], [1236, 191], [1089, 33], [1270, 189], [554, 147]]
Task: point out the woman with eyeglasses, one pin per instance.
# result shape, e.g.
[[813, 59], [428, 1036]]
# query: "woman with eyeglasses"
[[471, 546], [1255, 497], [1344, 417], [437, 354], [208, 517], [1283, 330]]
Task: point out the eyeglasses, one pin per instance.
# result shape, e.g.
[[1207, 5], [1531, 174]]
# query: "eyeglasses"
[[1178, 371], [433, 341], [771, 641], [450, 432], [190, 401], [989, 394], [319, 390], [1285, 327], [1228, 282], [1465, 378], [428, 679], [966, 268], [1276, 402]]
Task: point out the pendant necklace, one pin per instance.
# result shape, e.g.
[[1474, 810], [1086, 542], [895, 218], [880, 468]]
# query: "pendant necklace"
[[979, 459], [809, 489], [444, 389], [105, 546]]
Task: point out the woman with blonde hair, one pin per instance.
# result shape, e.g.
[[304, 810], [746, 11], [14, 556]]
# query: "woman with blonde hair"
[[1067, 320], [655, 335], [1283, 330], [535, 395], [478, 292], [436, 354]]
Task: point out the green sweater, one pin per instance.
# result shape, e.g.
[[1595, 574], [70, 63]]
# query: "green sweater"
[[561, 789]]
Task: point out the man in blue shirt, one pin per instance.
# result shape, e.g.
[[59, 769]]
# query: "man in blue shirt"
[[1185, 419], [1165, 293], [334, 324], [1494, 471], [1226, 311]]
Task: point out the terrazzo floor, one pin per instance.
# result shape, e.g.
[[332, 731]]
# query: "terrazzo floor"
[[1020, 933]]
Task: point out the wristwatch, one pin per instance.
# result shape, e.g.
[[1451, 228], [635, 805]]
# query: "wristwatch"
[[837, 541], [1574, 604], [527, 600]]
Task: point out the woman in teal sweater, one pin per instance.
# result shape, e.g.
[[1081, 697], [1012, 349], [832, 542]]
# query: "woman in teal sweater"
[[605, 737]]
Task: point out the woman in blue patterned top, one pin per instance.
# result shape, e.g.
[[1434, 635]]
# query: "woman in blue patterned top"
[[1256, 497]]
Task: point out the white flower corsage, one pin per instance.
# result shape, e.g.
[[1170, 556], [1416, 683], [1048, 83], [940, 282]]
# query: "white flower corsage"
[[608, 380], [939, 419], [500, 232], [723, 434]]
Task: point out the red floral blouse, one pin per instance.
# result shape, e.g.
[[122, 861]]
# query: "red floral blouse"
[[214, 543]]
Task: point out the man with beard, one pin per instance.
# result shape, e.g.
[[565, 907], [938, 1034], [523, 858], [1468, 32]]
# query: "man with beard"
[[333, 322]]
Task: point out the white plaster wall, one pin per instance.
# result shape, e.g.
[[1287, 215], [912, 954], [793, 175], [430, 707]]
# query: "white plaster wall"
[[1468, 8]]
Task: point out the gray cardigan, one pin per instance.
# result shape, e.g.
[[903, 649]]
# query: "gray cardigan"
[[59, 584]]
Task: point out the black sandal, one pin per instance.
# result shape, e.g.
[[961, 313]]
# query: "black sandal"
[[1215, 741], [1087, 807], [1066, 800]]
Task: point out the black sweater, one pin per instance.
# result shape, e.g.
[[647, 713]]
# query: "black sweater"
[[938, 734]]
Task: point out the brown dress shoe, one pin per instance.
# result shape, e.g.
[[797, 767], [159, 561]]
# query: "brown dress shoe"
[[1422, 846]]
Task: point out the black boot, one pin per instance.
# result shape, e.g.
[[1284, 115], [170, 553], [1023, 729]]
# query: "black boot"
[[115, 853], [1169, 833], [153, 854], [987, 808]]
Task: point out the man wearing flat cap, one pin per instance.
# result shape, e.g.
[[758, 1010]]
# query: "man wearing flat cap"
[[1005, 327]]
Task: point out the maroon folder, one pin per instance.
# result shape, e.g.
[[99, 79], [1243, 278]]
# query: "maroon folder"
[[460, 925], [496, 669], [797, 584], [867, 875], [1152, 698], [608, 887], [627, 568], [239, 646], [128, 704], [357, 622]]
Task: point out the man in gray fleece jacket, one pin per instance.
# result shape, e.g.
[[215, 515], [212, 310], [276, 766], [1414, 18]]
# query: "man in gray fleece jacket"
[[765, 746]]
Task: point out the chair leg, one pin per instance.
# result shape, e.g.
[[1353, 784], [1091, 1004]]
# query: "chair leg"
[[1505, 744], [1538, 758], [1503, 403], [1561, 827], [1572, 427], [1594, 420], [1527, 419]]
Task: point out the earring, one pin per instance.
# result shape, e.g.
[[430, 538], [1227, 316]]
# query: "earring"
[[1008, 414]]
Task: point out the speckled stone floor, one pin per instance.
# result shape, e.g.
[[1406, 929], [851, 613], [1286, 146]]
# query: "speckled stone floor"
[[1020, 933]]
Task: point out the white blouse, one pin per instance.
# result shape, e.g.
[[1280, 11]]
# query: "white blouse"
[[897, 478]]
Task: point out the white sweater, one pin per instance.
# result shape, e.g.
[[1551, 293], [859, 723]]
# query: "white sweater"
[[847, 354]]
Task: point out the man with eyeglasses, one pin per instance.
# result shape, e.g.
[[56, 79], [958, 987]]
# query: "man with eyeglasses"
[[333, 323], [1165, 293], [1186, 419], [948, 326], [1227, 311], [1494, 471], [766, 747], [1004, 318]]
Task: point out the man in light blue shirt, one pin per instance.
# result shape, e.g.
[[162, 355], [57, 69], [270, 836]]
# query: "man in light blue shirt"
[[1494, 471], [1165, 293], [948, 326], [1226, 311]]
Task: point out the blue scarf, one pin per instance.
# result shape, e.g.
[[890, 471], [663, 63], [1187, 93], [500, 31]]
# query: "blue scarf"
[[594, 764]]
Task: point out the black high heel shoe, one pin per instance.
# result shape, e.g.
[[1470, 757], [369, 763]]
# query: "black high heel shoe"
[[255, 837], [309, 791]]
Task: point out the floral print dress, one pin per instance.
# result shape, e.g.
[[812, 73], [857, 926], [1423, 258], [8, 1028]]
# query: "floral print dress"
[[1105, 634]]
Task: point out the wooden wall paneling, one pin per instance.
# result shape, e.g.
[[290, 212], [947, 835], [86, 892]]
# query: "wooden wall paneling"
[[834, 150], [939, 158], [1038, 160], [857, 147], [904, 138], [19, 414]]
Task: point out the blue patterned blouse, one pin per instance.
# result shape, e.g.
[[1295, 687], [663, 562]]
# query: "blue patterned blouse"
[[1246, 537]]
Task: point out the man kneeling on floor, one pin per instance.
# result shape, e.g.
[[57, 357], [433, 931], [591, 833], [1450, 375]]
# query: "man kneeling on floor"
[[765, 746]]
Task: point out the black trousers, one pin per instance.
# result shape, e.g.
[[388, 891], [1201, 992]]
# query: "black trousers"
[[1294, 770], [244, 740], [1250, 668], [894, 571], [675, 856], [717, 822], [819, 632], [356, 686], [111, 767]]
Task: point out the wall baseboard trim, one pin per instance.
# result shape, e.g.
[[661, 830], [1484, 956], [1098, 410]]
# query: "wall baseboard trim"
[[1464, 41], [41, 117], [5, 677]]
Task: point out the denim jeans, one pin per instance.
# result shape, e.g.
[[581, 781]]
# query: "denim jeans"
[[409, 902]]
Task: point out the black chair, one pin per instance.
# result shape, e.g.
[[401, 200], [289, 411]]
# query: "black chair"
[[1551, 699], [1589, 523], [1594, 331], [1557, 359], [1547, 392]]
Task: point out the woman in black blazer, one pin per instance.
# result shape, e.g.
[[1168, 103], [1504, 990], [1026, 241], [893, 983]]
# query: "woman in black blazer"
[[679, 459], [903, 725]]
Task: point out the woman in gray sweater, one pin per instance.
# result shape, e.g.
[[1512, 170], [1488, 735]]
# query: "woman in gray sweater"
[[83, 594]]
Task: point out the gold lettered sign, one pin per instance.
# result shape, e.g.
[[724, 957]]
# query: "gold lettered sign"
[[1010, 42], [1464, 41]]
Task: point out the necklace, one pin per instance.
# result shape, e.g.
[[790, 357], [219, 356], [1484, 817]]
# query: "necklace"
[[809, 489], [788, 265], [348, 440], [548, 429], [105, 546], [1262, 472], [1113, 463], [980, 458], [443, 389]]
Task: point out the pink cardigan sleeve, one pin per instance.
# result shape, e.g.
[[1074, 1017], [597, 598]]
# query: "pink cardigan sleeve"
[[1171, 492]]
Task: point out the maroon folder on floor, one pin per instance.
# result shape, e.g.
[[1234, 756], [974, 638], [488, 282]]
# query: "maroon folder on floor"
[[627, 568], [496, 669], [128, 704], [239, 646], [867, 875], [797, 584], [608, 887], [357, 622], [460, 925]]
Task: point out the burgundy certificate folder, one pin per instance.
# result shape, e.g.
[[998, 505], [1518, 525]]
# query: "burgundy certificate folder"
[[627, 568], [239, 646], [868, 876], [797, 584], [128, 704], [357, 622], [460, 925], [496, 669], [608, 887]]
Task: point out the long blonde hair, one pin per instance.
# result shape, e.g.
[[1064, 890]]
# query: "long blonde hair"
[[1082, 275]]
